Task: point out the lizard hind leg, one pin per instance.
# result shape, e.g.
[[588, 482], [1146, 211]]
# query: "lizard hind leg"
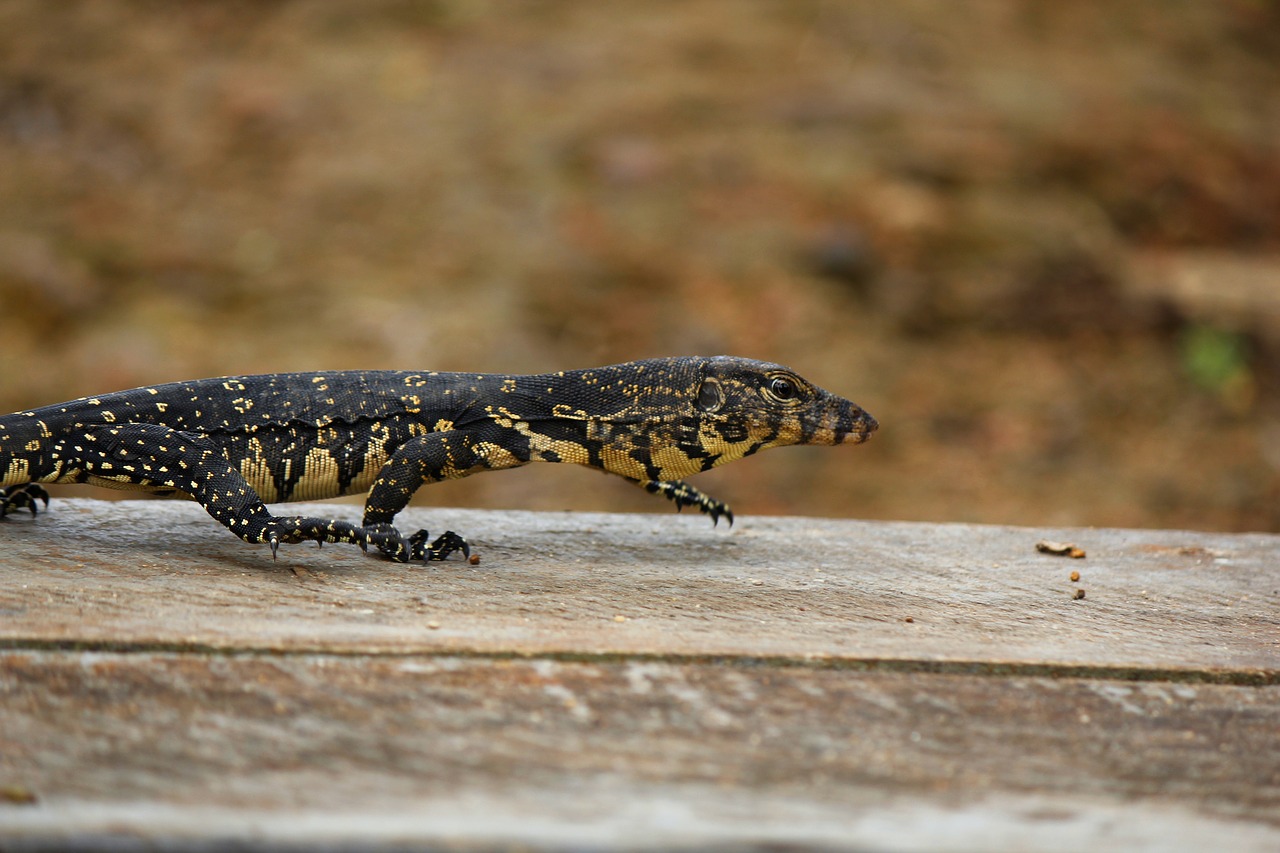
[[154, 456], [22, 496]]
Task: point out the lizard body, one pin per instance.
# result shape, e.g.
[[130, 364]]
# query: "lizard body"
[[234, 444]]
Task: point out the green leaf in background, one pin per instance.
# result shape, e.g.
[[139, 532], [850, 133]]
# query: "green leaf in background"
[[1216, 359]]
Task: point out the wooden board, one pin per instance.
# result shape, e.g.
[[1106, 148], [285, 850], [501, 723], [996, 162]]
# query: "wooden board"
[[162, 574], [622, 681]]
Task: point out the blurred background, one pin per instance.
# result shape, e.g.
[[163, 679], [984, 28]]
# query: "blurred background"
[[1039, 241]]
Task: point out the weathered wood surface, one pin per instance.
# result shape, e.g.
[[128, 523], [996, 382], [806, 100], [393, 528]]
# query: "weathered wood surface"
[[163, 574], [623, 681]]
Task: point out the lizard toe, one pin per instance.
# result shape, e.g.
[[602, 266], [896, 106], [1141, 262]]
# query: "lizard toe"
[[24, 496], [389, 542], [440, 548]]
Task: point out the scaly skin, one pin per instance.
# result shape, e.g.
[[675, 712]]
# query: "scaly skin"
[[234, 444]]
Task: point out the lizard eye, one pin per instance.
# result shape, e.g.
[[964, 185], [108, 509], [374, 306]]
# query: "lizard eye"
[[783, 389]]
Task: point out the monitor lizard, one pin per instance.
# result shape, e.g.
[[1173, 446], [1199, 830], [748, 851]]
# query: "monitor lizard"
[[237, 443]]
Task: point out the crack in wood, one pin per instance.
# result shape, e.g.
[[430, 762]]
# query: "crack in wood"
[[1232, 677]]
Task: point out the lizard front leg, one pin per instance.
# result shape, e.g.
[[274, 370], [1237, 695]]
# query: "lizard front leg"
[[155, 456], [682, 495], [431, 458]]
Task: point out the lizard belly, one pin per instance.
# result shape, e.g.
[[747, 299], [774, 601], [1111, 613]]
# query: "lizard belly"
[[18, 471], [314, 476], [280, 469], [121, 483]]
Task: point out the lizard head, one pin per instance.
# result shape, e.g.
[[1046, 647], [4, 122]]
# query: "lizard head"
[[745, 406], [665, 419]]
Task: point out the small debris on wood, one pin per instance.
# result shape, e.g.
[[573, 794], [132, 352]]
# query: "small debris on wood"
[[1075, 576], [1079, 594], [474, 559], [18, 795], [433, 625], [909, 619], [1060, 549]]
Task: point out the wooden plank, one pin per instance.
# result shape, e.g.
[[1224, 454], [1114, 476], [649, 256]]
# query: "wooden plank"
[[311, 749], [162, 575], [619, 681]]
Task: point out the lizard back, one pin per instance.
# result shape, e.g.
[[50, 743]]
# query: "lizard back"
[[296, 436]]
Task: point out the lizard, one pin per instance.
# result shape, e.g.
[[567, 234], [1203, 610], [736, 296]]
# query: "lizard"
[[236, 443]]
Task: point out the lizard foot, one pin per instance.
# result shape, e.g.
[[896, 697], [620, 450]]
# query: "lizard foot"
[[22, 496], [416, 547], [683, 495], [444, 545], [388, 540], [291, 530], [382, 536]]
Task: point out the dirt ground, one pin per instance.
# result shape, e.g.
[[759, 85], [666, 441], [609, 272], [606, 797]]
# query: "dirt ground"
[[1040, 242]]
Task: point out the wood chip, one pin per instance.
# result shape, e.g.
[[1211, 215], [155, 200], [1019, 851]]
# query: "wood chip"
[[18, 795], [1075, 576], [1079, 594], [1060, 549]]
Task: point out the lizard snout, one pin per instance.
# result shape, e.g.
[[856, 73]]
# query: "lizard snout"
[[868, 424], [852, 423], [838, 421]]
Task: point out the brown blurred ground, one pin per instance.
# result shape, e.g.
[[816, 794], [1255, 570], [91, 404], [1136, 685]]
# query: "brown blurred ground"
[[1041, 242]]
